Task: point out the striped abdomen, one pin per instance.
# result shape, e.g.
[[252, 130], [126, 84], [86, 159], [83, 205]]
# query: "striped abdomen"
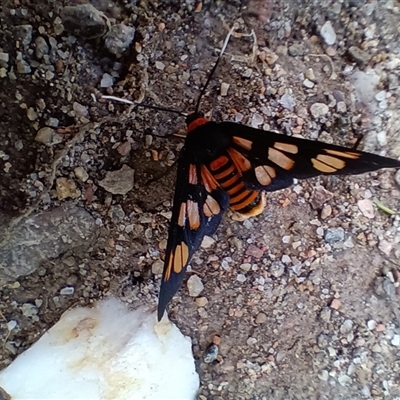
[[227, 171]]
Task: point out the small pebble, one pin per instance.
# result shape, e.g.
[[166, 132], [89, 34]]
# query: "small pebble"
[[288, 102], [106, 81], [319, 110], [328, 33], [344, 380], [120, 181], [66, 188], [347, 326], [201, 301], [157, 267], [277, 269], [326, 211], [308, 84], [211, 354], [261, 318], [323, 375], [333, 235], [256, 120], [371, 324], [380, 96], [367, 208], [67, 291], [224, 88], [245, 267], [335, 304], [11, 325], [395, 340], [385, 246], [195, 286], [81, 174], [207, 242], [160, 65], [310, 74]]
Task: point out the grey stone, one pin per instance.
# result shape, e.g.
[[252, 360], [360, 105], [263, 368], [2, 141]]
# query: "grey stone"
[[23, 33], [118, 182], [84, 20], [116, 213], [357, 55], [333, 235], [287, 101], [119, 39], [195, 286], [26, 243], [297, 49], [328, 33], [42, 47]]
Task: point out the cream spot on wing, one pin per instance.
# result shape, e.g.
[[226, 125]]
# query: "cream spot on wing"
[[344, 154], [264, 174], [193, 215], [332, 161], [320, 166], [244, 143], [211, 207], [280, 159], [192, 174], [182, 215], [287, 147]]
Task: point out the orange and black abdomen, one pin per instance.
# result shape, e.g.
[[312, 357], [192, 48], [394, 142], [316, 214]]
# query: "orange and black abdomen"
[[228, 174]]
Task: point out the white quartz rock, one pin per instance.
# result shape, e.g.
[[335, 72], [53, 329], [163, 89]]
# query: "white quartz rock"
[[105, 352]]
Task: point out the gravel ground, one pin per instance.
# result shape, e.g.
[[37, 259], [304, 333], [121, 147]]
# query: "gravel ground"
[[301, 302]]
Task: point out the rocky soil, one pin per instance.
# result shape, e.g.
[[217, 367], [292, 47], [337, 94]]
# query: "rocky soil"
[[301, 302]]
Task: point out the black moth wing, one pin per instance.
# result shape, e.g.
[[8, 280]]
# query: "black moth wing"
[[197, 211], [276, 159]]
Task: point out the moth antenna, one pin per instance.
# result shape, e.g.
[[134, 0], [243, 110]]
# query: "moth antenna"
[[114, 98], [214, 68]]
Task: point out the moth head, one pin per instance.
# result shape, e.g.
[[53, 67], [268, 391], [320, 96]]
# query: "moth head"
[[192, 116]]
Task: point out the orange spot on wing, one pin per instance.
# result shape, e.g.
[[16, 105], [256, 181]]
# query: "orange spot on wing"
[[192, 174], [168, 268], [322, 167], [193, 215], [208, 180], [181, 257], [331, 161], [240, 161], [280, 159], [244, 143]]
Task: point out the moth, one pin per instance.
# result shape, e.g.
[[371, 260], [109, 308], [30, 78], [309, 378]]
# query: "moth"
[[231, 165]]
